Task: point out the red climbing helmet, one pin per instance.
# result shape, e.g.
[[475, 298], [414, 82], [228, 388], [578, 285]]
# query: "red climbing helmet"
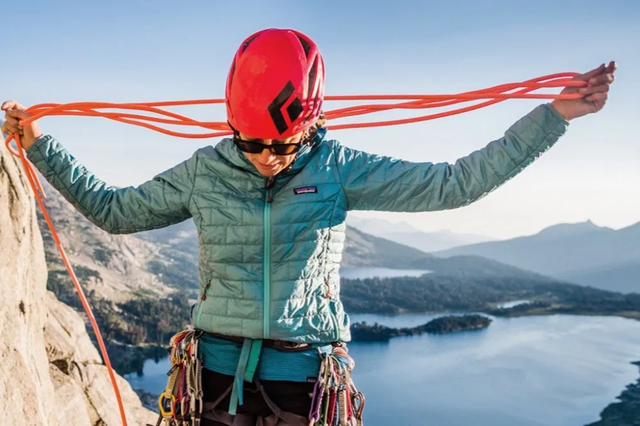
[[275, 86]]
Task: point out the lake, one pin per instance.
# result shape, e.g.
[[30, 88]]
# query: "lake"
[[558, 370]]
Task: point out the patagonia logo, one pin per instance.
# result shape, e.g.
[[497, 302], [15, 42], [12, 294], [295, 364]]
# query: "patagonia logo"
[[305, 190]]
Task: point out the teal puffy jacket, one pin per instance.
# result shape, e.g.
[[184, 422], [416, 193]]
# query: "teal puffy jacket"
[[270, 254]]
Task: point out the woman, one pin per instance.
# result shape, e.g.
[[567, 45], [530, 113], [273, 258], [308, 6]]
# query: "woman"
[[270, 205]]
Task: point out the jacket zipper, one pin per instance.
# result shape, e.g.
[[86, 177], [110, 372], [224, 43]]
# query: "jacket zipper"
[[267, 258], [206, 287]]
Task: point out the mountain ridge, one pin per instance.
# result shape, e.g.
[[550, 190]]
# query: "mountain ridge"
[[409, 235], [578, 252]]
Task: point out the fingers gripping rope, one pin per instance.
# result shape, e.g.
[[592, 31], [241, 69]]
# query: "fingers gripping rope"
[[488, 96]]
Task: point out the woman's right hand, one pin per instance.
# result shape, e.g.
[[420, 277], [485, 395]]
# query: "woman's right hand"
[[14, 112]]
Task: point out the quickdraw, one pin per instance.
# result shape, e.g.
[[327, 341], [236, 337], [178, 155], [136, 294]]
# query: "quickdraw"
[[181, 402], [336, 401]]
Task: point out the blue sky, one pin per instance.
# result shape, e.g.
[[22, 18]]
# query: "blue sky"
[[142, 51]]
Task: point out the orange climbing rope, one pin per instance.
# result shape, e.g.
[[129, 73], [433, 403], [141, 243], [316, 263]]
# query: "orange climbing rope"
[[489, 96]]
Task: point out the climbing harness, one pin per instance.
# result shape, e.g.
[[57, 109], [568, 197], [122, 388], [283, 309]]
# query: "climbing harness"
[[490, 96], [335, 401]]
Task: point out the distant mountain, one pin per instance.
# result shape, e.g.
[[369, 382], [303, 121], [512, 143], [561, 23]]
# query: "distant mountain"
[[182, 237], [407, 234], [623, 277], [583, 253], [178, 248], [571, 229], [362, 249]]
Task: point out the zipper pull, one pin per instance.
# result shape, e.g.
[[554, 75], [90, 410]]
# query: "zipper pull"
[[206, 287], [271, 182]]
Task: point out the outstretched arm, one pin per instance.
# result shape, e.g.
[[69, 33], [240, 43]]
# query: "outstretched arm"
[[373, 182], [160, 202]]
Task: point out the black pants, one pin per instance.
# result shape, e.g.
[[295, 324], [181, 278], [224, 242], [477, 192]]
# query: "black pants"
[[293, 397]]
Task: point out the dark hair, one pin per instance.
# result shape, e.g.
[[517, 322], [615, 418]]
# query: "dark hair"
[[322, 120], [313, 130]]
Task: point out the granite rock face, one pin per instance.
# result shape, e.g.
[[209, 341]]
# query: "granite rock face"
[[50, 371]]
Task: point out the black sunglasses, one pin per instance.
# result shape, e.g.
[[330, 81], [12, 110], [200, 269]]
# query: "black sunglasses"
[[253, 147]]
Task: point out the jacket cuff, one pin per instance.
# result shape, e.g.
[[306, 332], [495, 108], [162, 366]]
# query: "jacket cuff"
[[547, 117]]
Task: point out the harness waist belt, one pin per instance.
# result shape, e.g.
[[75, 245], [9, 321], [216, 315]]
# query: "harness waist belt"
[[280, 345]]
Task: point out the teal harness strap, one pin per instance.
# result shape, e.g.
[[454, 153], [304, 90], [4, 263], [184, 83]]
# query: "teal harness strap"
[[247, 366], [254, 357]]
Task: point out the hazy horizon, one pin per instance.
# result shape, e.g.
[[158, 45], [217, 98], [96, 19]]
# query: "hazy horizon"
[[122, 52], [359, 216]]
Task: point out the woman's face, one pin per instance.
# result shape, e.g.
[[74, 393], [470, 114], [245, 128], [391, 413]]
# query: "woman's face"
[[267, 163]]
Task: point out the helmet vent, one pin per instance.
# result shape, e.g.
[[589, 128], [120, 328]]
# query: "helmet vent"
[[305, 45], [312, 77]]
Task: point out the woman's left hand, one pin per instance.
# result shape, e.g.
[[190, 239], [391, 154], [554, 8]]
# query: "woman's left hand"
[[594, 95]]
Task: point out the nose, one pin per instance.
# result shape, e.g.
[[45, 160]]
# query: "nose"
[[266, 156]]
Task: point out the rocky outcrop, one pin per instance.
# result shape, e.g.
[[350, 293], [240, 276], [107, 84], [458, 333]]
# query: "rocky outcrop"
[[50, 372], [81, 381]]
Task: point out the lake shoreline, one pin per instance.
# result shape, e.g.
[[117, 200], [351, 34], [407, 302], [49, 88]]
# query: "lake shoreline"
[[539, 308], [532, 309]]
